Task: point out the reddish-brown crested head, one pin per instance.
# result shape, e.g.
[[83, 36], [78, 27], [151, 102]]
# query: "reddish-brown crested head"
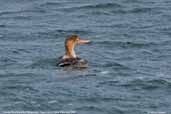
[[70, 43], [74, 39]]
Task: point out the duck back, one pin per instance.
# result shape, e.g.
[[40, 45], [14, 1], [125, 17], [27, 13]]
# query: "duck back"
[[73, 62]]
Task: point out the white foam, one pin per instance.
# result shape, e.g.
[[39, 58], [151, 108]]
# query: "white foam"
[[104, 72]]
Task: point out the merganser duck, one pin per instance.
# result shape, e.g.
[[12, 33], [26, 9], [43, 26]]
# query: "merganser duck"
[[70, 58]]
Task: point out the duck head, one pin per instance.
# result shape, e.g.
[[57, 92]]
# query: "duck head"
[[70, 43]]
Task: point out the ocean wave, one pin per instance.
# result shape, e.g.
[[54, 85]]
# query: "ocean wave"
[[44, 64], [90, 108], [20, 87], [125, 44], [36, 10], [109, 83], [93, 6], [140, 10], [50, 4], [137, 10], [148, 84], [2, 26], [73, 31], [102, 6], [7, 61]]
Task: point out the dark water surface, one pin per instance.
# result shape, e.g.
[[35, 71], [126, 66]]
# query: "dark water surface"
[[129, 57]]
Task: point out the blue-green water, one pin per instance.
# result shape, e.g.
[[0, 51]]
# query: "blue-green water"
[[129, 57]]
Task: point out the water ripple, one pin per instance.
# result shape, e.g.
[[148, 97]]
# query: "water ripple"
[[148, 84]]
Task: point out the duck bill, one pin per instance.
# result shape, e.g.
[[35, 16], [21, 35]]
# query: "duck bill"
[[82, 41]]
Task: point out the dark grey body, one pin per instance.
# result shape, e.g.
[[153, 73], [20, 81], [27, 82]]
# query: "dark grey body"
[[72, 62]]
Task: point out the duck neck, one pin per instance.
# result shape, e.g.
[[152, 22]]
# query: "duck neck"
[[70, 52]]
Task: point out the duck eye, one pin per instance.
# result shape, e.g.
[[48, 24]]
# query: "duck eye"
[[77, 39]]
